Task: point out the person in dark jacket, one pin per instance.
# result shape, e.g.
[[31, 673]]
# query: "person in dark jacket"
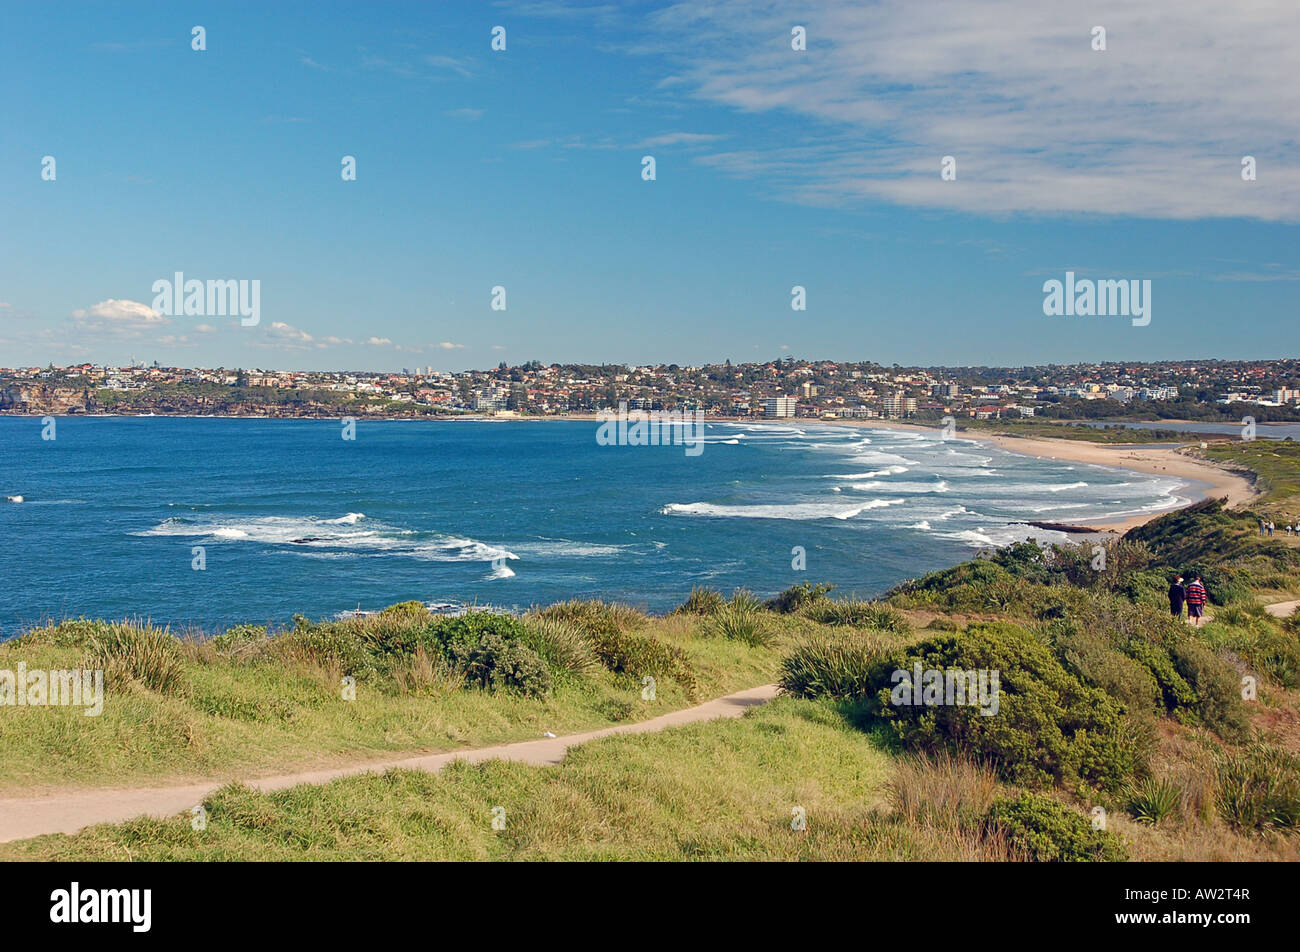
[[1196, 598], [1177, 595]]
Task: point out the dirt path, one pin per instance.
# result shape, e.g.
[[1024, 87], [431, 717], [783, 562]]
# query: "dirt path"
[[1281, 609], [21, 819]]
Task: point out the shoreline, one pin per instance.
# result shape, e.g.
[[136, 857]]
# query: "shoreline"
[[1142, 458]]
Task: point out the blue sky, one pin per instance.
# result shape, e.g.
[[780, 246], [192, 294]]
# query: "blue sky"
[[522, 169]]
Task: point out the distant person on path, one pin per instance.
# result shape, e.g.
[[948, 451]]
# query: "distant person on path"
[[1195, 601], [1177, 595], [1270, 527], [1262, 526]]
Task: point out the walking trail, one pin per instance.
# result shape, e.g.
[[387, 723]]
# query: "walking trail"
[[1281, 609], [23, 818]]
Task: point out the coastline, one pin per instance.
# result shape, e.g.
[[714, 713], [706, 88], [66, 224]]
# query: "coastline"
[[1143, 458], [1205, 479]]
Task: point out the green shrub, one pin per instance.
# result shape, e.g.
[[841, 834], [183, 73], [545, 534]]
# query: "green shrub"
[[1258, 789], [493, 660], [1218, 703], [148, 656], [412, 609], [842, 664], [856, 613], [701, 601], [608, 629], [943, 624], [241, 642], [635, 655], [562, 646], [1047, 831], [1048, 727], [796, 597], [1151, 800], [1090, 655], [331, 643], [739, 621], [1267, 648]]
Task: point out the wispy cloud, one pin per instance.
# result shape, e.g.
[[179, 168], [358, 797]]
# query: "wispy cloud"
[[1155, 125], [116, 317], [679, 138]]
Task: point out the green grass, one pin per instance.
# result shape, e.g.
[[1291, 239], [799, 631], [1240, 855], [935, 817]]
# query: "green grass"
[[1276, 465], [248, 709], [723, 790], [1036, 428]]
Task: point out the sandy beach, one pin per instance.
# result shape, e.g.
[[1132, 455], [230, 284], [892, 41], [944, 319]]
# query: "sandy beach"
[[1144, 458], [1157, 461]]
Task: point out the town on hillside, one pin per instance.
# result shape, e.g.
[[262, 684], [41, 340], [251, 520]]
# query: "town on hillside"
[[1198, 390]]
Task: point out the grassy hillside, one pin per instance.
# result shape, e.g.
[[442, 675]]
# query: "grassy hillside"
[[246, 702], [1117, 731], [1276, 465]]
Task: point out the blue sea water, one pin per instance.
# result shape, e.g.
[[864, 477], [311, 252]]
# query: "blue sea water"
[[294, 519]]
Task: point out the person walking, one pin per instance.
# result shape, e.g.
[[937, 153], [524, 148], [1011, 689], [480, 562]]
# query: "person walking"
[[1177, 595], [1196, 597], [1262, 526], [1270, 528]]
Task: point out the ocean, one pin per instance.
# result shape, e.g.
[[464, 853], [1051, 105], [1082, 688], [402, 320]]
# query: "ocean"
[[286, 516]]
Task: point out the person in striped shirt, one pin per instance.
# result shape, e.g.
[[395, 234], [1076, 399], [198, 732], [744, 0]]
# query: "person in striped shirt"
[[1196, 597]]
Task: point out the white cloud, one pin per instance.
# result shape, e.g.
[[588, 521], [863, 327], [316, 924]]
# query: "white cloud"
[[1156, 125], [448, 345], [288, 334], [678, 138], [379, 342], [118, 318]]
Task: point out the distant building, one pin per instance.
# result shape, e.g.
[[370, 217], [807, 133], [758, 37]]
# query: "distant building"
[[779, 407], [899, 405]]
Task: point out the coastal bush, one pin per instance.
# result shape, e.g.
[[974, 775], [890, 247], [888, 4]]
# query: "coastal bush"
[[1049, 726], [857, 613], [1218, 689], [146, 655], [69, 633], [328, 645], [739, 620], [425, 673], [1152, 799], [843, 665], [241, 643], [495, 661], [701, 601], [561, 645], [1258, 789], [636, 655], [1194, 686], [411, 609], [608, 628], [796, 597], [1266, 647], [1090, 655], [943, 624], [594, 618], [1047, 831]]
